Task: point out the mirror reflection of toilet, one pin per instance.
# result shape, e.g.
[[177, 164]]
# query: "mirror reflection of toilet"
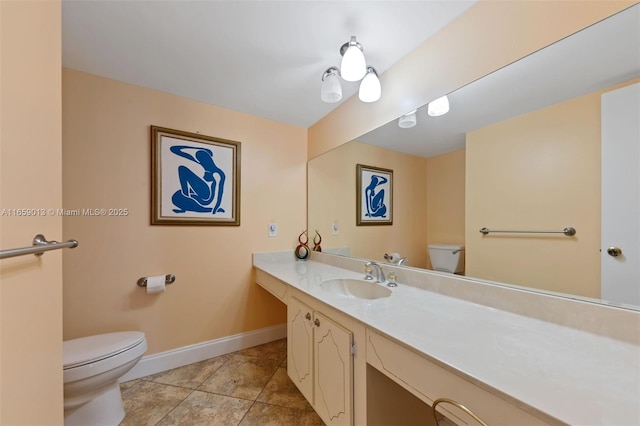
[[447, 258], [92, 367]]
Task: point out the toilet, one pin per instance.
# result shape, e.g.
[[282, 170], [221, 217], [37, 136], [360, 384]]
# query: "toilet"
[[447, 258], [92, 367]]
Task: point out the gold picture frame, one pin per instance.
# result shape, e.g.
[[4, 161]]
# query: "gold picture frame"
[[374, 195], [195, 179]]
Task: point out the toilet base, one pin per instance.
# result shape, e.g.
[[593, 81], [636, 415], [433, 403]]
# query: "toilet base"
[[105, 409]]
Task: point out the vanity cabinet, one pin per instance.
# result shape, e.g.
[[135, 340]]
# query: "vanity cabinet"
[[320, 361]]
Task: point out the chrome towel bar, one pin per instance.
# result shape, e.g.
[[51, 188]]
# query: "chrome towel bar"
[[569, 231], [40, 245]]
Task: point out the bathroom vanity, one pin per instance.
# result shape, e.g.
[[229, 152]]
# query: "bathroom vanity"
[[359, 350]]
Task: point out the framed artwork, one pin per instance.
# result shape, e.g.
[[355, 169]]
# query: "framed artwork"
[[195, 179], [374, 195]]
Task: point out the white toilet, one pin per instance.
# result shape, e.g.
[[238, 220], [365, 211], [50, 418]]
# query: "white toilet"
[[447, 258], [92, 367]]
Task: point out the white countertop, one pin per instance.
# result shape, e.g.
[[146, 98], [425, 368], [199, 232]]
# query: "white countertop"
[[571, 375]]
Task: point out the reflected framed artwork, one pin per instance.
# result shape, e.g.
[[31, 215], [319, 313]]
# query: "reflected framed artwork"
[[195, 179], [374, 195]]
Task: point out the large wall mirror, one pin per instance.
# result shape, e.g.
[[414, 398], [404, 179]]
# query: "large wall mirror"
[[522, 148]]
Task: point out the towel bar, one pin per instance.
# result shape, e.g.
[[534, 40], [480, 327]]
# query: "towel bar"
[[40, 245], [569, 231]]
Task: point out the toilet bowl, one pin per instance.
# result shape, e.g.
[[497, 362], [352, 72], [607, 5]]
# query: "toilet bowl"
[[447, 258], [92, 367]]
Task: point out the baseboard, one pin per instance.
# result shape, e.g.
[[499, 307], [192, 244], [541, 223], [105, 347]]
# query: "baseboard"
[[185, 355]]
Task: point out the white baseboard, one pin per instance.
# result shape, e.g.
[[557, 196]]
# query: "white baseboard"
[[185, 355]]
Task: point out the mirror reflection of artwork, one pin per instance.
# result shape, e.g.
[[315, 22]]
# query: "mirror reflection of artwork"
[[374, 197], [374, 188], [195, 178]]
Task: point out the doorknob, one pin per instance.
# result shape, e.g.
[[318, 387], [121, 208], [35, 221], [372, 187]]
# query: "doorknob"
[[614, 251]]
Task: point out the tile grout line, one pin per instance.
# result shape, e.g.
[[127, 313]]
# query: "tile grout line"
[[176, 406], [261, 391]]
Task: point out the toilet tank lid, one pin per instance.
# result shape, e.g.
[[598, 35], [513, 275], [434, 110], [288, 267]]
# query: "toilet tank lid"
[[446, 247], [94, 348]]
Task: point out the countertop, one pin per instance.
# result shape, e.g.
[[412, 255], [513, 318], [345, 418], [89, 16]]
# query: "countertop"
[[571, 375]]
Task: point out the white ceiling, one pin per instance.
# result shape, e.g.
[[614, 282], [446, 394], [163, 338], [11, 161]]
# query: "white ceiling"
[[265, 58]]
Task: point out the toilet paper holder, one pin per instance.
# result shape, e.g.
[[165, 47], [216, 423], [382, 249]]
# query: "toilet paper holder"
[[168, 279]]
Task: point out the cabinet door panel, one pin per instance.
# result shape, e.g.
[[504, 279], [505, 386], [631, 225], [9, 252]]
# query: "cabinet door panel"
[[333, 371], [300, 347]]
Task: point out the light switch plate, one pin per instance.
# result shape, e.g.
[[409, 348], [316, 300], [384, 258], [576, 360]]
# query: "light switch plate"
[[273, 229], [335, 229]]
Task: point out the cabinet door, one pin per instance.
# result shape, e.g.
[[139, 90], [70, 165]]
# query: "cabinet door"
[[333, 371], [300, 346]]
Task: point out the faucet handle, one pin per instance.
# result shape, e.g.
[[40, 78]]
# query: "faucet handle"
[[391, 279], [367, 272]]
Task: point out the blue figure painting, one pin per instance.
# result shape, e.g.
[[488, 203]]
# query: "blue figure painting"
[[375, 199], [202, 194]]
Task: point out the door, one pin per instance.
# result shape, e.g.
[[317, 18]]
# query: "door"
[[620, 244]]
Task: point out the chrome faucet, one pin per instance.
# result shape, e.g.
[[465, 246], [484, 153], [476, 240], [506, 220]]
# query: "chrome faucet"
[[379, 272]]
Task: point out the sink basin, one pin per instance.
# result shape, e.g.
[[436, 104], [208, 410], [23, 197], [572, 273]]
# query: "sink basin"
[[360, 289]]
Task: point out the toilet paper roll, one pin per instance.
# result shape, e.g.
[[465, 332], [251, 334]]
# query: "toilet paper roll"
[[156, 284], [394, 257]]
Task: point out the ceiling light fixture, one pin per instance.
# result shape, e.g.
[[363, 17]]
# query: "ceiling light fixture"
[[438, 107], [370, 89], [331, 91], [353, 68], [408, 120]]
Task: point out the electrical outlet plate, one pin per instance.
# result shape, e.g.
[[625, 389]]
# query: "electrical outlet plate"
[[273, 229]]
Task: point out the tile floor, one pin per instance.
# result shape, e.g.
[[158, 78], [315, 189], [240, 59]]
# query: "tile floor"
[[248, 387]]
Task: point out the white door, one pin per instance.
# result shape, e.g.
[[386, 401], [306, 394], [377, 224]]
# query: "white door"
[[620, 245]]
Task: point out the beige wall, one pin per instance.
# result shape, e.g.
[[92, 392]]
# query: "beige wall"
[[540, 177], [487, 36], [30, 178], [106, 164], [445, 198], [332, 186]]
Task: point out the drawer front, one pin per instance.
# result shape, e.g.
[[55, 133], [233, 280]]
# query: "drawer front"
[[430, 382], [272, 285]]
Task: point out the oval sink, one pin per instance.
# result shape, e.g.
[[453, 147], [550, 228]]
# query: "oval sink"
[[360, 289]]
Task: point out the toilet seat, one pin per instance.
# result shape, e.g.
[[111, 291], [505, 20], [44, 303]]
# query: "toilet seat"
[[92, 355]]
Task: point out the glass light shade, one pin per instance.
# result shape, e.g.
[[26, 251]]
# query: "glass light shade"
[[331, 91], [370, 89], [408, 120], [438, 107], [353, 66]]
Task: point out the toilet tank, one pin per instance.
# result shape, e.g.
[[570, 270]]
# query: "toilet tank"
[[447, 258]]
